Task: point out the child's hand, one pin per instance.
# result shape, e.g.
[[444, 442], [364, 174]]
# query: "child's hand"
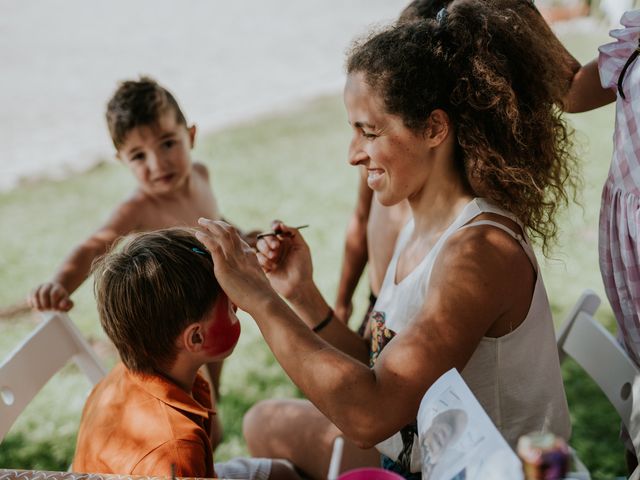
[[50, 296], [286, 260]]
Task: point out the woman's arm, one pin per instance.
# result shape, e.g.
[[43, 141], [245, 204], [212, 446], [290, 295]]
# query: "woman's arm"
[[287, 260], [472, 285]]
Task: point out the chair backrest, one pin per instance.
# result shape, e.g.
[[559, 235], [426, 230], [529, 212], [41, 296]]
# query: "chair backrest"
[[587, 303], [41, 355], [599, 354]]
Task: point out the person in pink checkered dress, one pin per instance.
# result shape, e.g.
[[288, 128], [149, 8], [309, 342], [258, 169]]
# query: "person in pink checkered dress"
[[620, 215], [615, 75]]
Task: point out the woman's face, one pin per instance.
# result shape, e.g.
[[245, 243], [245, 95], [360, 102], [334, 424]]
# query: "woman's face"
[[396, 158]]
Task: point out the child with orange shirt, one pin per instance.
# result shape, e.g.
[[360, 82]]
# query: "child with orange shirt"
[[161, 306]]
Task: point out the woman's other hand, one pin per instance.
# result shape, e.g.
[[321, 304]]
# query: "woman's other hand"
[[286, 259], [235, 265]]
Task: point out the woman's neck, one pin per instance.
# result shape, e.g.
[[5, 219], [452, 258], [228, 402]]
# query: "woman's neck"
[[441, 200]]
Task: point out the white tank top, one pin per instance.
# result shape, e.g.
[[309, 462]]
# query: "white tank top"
[[516, 377]]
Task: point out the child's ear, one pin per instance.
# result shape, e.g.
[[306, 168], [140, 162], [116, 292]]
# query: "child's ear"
[[192, 134], [193, 338]]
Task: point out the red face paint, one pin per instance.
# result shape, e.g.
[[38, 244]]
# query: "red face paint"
[[224, 331]]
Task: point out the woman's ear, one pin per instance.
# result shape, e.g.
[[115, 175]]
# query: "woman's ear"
[[438, 127], [193, 338]]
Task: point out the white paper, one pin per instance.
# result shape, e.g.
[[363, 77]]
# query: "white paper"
[[458, 440]]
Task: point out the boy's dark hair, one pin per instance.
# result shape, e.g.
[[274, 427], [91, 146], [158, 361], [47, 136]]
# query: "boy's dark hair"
[[136, 103], [148, 290], [491, 72]]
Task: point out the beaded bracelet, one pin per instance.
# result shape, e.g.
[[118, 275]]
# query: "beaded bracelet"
[[325, 322]]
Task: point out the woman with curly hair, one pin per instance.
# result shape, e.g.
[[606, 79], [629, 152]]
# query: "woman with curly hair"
[[456, 115]]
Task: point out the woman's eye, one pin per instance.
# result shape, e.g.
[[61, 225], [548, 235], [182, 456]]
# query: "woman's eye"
[[368, 135]]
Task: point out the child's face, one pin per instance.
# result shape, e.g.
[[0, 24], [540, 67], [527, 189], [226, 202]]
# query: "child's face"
[[222, 330], [159, 155]]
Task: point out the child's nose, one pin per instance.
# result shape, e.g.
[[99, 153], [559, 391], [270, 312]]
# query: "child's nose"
[[157, 162], [152, 161]]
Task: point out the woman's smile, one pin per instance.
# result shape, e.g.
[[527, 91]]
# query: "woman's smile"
[[374, 177]]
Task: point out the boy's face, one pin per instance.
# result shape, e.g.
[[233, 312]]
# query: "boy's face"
[[222, 330], [159, 155]]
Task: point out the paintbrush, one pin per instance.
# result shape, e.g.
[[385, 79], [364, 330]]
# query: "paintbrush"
[[275, 233]]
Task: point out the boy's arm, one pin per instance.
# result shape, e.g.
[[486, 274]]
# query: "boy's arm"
[[54, 294], [586, 92], [355, 251]]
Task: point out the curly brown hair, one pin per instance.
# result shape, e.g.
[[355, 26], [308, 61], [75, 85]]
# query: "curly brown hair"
[[138, 103], [559, 63], [486, 67]]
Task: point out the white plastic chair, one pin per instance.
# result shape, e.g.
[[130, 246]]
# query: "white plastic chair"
[[41, 355], [599, 354], [587, 303]]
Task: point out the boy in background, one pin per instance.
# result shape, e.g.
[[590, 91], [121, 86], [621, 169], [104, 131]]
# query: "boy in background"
[[161, 306], [152, 138]]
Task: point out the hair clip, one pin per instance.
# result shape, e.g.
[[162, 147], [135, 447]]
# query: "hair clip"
[[442, 15], [199, 252]]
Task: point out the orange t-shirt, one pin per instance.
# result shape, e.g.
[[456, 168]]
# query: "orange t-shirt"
[[141, 424]]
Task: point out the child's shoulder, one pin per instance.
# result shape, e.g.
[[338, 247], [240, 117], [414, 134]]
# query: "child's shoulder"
[[200, 170], [135, 203], [128, 214]]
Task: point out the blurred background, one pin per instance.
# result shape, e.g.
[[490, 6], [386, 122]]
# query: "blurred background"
[[262, 80]]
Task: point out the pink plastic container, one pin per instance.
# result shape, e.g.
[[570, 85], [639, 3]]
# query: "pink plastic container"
[[369, 474]]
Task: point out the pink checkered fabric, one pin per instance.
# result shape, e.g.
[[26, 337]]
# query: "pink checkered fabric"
[[619, 236]]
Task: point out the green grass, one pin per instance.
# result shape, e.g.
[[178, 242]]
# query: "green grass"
[[290, 166]]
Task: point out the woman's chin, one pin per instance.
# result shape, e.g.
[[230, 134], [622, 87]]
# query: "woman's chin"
[[387, 200]]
